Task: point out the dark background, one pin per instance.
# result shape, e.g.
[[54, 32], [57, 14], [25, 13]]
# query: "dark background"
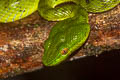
[[105, 66]]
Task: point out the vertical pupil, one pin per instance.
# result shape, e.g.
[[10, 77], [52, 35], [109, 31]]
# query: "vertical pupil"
[[64, 50]]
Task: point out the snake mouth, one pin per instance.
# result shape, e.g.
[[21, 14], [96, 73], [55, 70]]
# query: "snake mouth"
[[56, 61], [51, 62]]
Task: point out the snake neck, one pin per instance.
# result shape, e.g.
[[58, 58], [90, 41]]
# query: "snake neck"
[[56, 10]]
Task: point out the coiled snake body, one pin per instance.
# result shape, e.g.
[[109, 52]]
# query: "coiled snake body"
[[68, 34]]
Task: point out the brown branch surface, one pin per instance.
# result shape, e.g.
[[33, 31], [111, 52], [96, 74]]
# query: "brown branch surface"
[[21, 42]]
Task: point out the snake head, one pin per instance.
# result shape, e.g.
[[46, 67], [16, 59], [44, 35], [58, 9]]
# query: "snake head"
[[63, 40]]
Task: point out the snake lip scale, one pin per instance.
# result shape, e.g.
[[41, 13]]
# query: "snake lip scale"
[[69, 33]]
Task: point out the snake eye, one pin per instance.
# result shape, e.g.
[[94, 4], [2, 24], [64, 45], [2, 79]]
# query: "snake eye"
[[64, 51]]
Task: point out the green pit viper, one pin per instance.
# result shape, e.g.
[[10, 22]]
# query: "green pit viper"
[[67, 35]]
